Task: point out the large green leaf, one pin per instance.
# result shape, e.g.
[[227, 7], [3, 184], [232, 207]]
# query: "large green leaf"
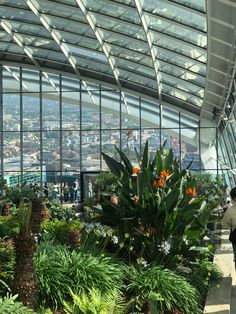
[[116, 167], [158, 163], [145, 159], [126, 161], [169, 160]]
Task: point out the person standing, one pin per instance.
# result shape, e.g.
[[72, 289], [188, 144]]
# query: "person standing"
[[65, 192], [229, 220], [75, 188]]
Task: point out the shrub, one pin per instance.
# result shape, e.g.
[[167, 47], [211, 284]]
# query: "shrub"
[[59, 229], [59, 269], [165, 290], [8, 227]]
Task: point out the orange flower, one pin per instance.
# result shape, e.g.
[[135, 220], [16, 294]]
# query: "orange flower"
[[161, 183], [136, 170], [191, 192], [155, 183], [129, 133], [164, 174], [152, 230]]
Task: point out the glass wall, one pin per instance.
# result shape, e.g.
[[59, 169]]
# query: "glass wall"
[[54, 128]]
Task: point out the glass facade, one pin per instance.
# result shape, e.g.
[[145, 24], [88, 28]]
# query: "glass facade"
[[54, 127]]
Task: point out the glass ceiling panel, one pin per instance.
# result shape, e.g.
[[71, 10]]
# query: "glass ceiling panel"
[[22, 15], [126, 42], [174, 30], [4, 36], [116, 26], [181, 61], [135, 68], [182, 84], [65, 11], [28, 28], [38, 42], [198, 5], [179, 47], [131, 55], [51, 55], [69, 26], [169, 10], [113, 9], [181, 95], [78, 51], [137, 78], [92, 65], [181, 73]]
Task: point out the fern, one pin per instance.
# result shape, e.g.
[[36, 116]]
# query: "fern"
[[8, 305], [96, 303]]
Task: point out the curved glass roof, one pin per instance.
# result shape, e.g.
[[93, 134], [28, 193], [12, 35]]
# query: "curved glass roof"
[[156, 48]]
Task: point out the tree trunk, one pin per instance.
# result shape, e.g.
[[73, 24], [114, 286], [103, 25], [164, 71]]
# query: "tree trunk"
[[25, 281]]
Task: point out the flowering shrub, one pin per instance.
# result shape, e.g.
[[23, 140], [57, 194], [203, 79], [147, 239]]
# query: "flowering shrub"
[[157, 206]]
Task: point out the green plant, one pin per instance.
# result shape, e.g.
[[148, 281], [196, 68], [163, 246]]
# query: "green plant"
[[9, 226], [7, 261], [157, 208], [60, 230], [9, 305], [105, 182], [59, 269], [94, 302], [204, 274], [164, 290], [58, 211]]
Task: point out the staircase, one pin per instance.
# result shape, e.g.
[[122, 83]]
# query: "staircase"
[[221, 299]]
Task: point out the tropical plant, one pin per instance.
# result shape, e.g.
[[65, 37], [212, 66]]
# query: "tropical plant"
[[94, 302], [157, 208], [162, 290], [9, 305]]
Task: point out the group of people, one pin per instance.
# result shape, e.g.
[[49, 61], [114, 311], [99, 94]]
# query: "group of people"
[[64, 192]]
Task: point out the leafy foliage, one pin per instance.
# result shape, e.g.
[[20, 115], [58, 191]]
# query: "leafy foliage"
[[204, 274], [165, 290], [9, 226], [58, 229], [59, 269], [7, 261], [9, 305], [105, 182]]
